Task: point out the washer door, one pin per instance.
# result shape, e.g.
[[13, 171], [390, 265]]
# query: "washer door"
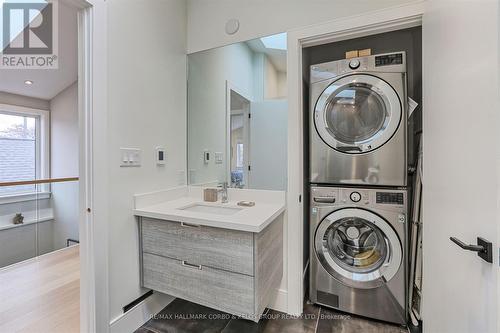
[[358, 248], [357, 114]]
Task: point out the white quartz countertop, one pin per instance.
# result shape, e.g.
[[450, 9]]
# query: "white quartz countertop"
[[251, 219]]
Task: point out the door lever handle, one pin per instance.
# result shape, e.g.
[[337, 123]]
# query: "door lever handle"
[[475, 248], [483, 248]]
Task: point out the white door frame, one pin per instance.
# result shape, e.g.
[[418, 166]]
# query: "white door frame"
[[230, 86], [92, 110], [390, 19]]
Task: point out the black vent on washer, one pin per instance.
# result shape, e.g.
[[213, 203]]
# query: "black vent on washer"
[[328, 299], [390, 198]]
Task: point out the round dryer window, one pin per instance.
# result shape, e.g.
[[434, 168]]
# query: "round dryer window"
[[358, 247], [357, 113]]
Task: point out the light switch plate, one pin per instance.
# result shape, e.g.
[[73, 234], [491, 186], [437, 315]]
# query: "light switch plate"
[[130, 157], [218, 157]]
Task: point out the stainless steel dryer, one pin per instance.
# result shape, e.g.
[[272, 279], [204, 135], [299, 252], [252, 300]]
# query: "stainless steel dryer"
[[358, 251], [358, 121]]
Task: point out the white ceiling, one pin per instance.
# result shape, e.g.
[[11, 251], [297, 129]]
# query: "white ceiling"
[[49, 82], [277, 57]]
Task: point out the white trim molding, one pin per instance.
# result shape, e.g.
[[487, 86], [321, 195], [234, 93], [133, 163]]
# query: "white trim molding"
[[280, 301], [384, 20], [139, 314], [92, 105]]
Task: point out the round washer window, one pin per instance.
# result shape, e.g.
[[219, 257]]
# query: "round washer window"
[[358, 247], [355, 113], [356, 244]]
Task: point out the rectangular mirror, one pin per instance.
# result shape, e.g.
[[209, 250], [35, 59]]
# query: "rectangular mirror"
[[237, 115]]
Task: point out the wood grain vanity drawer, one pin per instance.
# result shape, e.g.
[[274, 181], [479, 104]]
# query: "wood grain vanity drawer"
[[225, 249], [223, 290]]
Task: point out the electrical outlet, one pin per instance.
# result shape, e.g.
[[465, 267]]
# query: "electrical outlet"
[[161, 156], [206, 156]]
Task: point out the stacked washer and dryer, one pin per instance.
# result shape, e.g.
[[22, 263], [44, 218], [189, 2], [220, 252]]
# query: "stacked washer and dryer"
[[358, 178]]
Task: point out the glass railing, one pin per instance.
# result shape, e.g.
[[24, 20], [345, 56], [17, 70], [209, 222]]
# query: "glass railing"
[[37, 217]]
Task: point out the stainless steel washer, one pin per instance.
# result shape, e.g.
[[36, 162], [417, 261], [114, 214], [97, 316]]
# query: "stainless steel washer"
[[358, 251], [358, 121]]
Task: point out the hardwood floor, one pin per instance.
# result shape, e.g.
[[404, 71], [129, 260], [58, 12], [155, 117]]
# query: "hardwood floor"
[[42, 294]]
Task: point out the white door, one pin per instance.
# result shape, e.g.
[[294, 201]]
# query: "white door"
[[461, 154], [268, 143]]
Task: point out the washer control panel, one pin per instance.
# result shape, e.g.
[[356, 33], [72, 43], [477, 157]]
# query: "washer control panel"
[[324, 196], [355, 196], [331, 196]]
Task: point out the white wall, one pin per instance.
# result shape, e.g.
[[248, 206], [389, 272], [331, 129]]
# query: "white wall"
[[275, 81], [64, 163], [207, 18], [64, 133], [146, 109], [20, 243], [19, 100], [208, 72], [282, 84]]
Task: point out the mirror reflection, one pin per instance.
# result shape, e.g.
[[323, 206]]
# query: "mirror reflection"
[[237, 115]]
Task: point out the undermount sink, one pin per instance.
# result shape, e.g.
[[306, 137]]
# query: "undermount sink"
[[211, 209]]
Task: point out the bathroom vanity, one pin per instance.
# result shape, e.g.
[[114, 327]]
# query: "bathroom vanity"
[[223, 256]]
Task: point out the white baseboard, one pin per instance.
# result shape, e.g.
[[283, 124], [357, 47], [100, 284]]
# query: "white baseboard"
[[280, 301], [140, 314]]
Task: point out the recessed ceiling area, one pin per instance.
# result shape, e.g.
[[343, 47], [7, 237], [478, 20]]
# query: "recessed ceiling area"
[[47, 83], [274, 47]]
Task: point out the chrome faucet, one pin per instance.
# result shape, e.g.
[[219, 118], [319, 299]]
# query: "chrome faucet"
[[223, 190]]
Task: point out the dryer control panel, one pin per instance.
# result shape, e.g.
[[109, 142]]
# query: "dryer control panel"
[[392, 198], [394, 62]]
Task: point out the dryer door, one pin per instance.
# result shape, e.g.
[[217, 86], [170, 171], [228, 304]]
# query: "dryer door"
[[357, 113], [358, 248]]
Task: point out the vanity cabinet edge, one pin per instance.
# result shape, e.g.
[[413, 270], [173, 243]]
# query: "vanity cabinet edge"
[[268, 265], [141, 252]]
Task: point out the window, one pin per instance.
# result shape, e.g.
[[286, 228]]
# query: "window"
[[239, 155], [23, 152]]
